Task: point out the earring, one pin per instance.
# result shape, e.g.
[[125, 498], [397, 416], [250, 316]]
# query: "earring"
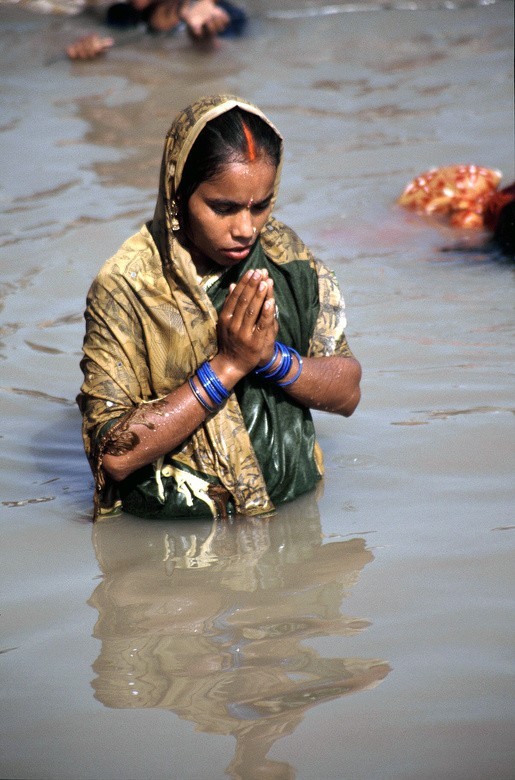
[[254, 230], [174, 214]]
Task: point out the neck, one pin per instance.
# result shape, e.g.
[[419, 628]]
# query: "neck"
[[203, 265]]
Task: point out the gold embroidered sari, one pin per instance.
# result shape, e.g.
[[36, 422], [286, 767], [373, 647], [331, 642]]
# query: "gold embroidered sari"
[[150, 325]]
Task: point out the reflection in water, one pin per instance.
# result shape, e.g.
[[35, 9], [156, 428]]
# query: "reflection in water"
[[207, 619]]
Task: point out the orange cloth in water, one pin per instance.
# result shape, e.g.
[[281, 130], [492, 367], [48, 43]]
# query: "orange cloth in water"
[[462, 191]]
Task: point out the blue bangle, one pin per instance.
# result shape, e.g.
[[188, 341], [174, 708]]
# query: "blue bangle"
[[283, 366], [208, 385], [211, 384], [195, 391], [264, 369], [293, 379]]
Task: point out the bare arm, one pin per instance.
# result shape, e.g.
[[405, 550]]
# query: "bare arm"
[[329, 384]]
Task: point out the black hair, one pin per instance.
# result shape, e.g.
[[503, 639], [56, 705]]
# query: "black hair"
[[504, 235], [235, 136], [124, 15]]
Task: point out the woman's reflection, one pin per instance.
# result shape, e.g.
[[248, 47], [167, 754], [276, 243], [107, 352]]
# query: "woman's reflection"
[[207, 620]]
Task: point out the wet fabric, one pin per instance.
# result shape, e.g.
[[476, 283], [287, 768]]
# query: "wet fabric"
[[460, 191], [149, 325]]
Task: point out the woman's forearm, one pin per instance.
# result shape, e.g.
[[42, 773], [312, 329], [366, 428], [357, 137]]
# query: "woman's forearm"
[[328, 384], [158, 427], [153, 429]]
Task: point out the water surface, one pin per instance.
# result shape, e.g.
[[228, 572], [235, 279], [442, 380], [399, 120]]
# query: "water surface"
[[365, 632]]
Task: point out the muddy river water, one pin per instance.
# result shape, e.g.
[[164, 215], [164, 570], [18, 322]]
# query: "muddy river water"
[[363, 633]]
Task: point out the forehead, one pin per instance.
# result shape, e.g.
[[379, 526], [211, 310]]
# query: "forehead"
[[190, 123], [241, 181]]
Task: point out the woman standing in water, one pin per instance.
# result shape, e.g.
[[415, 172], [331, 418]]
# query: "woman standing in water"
[[210, 335]]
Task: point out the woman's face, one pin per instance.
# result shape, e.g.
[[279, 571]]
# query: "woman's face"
[[226, 213]]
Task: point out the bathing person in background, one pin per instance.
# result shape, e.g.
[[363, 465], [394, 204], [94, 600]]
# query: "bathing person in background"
[[210, 335], [468, 196], [500, 219], [203, 19]]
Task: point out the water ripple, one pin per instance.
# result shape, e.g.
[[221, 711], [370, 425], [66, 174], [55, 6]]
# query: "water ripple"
[[381, 5]]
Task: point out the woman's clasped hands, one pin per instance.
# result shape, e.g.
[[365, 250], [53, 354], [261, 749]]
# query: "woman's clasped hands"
[[247, 325]]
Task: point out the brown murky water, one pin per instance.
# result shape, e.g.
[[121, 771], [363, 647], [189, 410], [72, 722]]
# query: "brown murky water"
[[364, 633]]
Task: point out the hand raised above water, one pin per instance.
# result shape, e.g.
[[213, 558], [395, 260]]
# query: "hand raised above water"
[[88, 47], [247, 326], [204, 19]]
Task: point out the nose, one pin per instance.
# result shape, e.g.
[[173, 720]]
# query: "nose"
[[242, 227]]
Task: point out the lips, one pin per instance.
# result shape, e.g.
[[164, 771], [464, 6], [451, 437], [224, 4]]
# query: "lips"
[[237, 253]]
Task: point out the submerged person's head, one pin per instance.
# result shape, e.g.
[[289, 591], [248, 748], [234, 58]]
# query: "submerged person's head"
[[228, 184], [500, 219], [164, 16], [157, 15]]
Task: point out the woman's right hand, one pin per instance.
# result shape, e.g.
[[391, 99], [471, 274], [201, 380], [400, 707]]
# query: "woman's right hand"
[[246, 325]]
